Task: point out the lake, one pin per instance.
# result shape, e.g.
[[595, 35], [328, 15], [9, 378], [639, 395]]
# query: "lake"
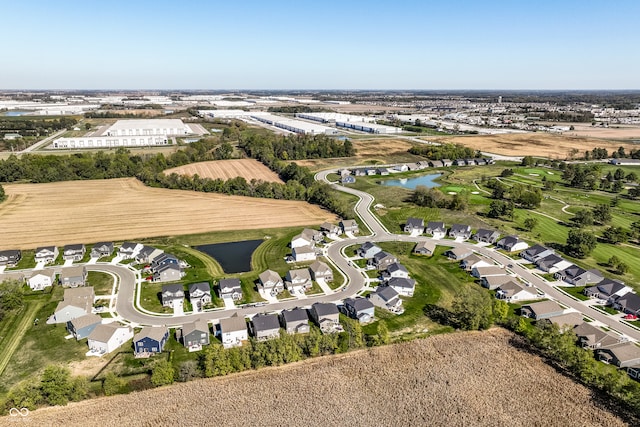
[[16, 113], [412, 183], [233, 257]]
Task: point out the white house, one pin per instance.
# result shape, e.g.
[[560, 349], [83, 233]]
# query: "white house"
[[303, 253], [301, 240], [41, 279], [233, 331], [108, 337]]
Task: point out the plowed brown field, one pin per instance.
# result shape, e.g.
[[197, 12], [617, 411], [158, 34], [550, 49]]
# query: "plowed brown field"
[[118, 209], [462, 379], [226, 169]]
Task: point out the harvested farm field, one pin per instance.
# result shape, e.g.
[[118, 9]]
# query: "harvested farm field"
[[534, 144], [472, 379], [117, 209], [226, 169]]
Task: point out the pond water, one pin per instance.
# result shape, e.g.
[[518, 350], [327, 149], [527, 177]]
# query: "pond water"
[[233, 257], [15, 113], [412, 183]]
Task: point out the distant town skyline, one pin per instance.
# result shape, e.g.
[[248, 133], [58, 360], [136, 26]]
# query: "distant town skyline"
[[273, 45]]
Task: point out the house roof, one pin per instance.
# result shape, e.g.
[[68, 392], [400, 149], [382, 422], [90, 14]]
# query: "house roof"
[[230, 283], [535, 250], [386, 293], [74, 247], [595, 335], [549, 260], [472, 259], [200, 286], [396, 266], [295, 315], [346, 223], [233, 323], [498, 280], [624, 352], [508, 241], [104, 331], [154, 332], [427, 244], [629, 301], [324, 308], [544, 307], [265, 322], [460, 228], [309, 233], [328, 226], [303, 250], [483, 232], [319, 267], [103, 244], [490, 270], [46, 249], [128, 246], [300, 274], [75, 271], [198, 325], [460, 252], [401, 282], [609, 287], [436, 225], [571, 319], [368, 245], [269, 276], [86, 320], [10, 253], [48, 272], [358, 304], [85, 292], [511, 288], [382, 255], [175, 288], [415, 222], [146, 251]]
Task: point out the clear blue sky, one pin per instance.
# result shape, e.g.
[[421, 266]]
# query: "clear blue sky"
[[403, 44]]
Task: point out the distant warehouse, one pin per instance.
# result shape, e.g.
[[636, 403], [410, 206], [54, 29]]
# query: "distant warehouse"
[[360, 123], [292, 125]]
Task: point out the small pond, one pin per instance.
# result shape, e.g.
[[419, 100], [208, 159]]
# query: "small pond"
[[233, 257], [16, 113], [412, 183]]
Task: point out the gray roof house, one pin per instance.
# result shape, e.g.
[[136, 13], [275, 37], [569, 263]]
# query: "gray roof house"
[[360, 309], [491, 270], [199, 295], [541, 310], [621, 355], [567, 321], [73, 276], [494, 282], [73, 252], [426, 247], [147, 254], [76, 302], [320, 270], [194, 335], [230, 288], [414, 225], [395, 270], [511, 244], [326, 316], [403, 286], [607, 289], [387, 298], [167, 273], [486, 236], [458, 253], [233, 331], [265, 326], [592, 337], [513, 291], [382, 260], [436, 229], [367, 250], [172, 295], [46, 254], [295, 321], [628, 303], [81, 327], [150, 340], [128, 250], [270, 282], [473, 260], [330, 229], [349, 226], [536, 252], [102, 249], [10, 257], [550, 263], [298, 280], [460, 231], [578, 276]]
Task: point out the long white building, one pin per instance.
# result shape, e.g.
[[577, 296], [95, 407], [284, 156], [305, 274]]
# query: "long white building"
[[109, 142], [349, 121], [142, 127], [292, 125]]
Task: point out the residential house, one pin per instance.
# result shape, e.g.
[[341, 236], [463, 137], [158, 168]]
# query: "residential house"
[[265, 326], [460, 231], [76, 302], [128, 250], [623, 355], [46, 254], [320, 270], [298, 281], [172, 295], [447, 162], [460, 162], [270, 282], [230, 288], [607, 289], [150, 340], [73, 276], [402, 285], [387, 298], [628, 303], [491, 270], [167, 273], [382, 260], [494, 282], [102, 249], [382, 171], [300, 240], [194, 335], [314, 235], [330, 230], [147, 254], [593, 337], [511, 244], [10, 258], [41, 279], [107, 337], [295, 321], [414, 226], [513, 291], [472, 261], [436, 163], [567, 321], [436, 229], [349, 226], [347, 179], [395, 270], [367, 250], [326, 316], [73, 252], [81, 327], [303, 253], [536, 252], [233, 331], [541, 310], [458, 253], [401, 168], [161, 259], [578, 276], [360, 172], [552, 263], [360, 309], [199, 295], [426, 247], [486, 236]]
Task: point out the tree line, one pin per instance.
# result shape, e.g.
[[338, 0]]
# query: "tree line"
[[34, 127], [444, 151]]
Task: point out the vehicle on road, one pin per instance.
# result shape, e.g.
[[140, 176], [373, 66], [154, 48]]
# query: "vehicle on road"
[[630, 317]]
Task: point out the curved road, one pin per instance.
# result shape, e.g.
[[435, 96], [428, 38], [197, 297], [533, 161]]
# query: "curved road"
[[127, 310]]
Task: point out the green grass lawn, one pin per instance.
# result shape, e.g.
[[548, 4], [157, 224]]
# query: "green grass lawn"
[[607, 309], [150, 298], [27, 261], [102, 282], [576, 292]]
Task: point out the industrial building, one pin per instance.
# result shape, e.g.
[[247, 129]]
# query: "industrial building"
[[348, 121], [292, 125], [142, 127], [224, 114], [110, 141]]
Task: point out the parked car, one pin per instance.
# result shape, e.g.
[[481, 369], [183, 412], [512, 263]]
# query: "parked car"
[[630, 317]]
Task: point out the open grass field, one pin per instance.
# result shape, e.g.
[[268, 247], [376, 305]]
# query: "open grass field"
[[226, 169], [476, 378], [534, 144], [118, 209], [613, 132]]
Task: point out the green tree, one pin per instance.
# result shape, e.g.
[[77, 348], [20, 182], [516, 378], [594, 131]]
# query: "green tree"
[[79, 388], [580, 243], [188, 370], [615, 235], [473, 310], [113, 384], [617, 265], [382, 333], [26, 394], [162, 373], [530, 223], [56, 385], [617, 186], [602, 213], [583, 218], [3, 196], [215, 361]]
